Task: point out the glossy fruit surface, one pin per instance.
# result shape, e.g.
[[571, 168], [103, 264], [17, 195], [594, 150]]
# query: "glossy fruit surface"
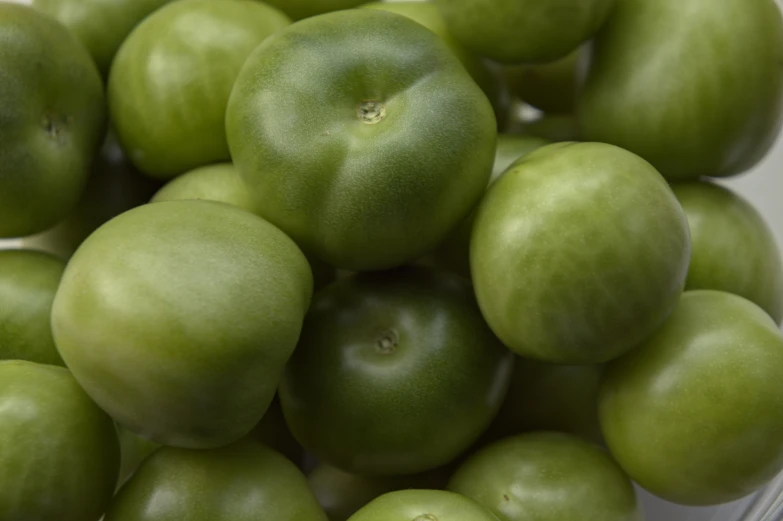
[[242, 482], [101, 25], [211, 183], [395, 373], [523, 31], [177, 319], [701, 396], [713, 110], [734, 250], [172, 77], [547, 477], [298, 9], [362, 136], [52, 113], [423, 505], [59, 451], [578, 252], [28, 282]]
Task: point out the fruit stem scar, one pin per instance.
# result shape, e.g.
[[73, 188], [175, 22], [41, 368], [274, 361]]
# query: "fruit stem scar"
[[387, 343], [53, 126], [371, 112]]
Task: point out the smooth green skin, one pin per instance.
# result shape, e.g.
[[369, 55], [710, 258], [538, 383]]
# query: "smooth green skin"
[[694, 87], [113, 187], [550, 87], [454, 253], [733, 249], [579, 251], [423, 505], [361, 196], [427, 14], [523, 31], [222, 183], [171, 79], [178, 317], [341, 494], [101, 25], [59, 454], [395, 373], [548, 397], [693, 414], [242, 482], [134, 450], [273, 432], [52, 119], [28, 282], [546, 476], [298, 9]]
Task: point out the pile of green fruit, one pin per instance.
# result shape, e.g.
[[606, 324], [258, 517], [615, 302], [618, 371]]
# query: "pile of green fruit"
[[305, 260]]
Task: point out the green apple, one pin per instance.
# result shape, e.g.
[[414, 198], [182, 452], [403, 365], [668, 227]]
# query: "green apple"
[[178, 317], [547, 477], [733, 249], [28, 282], [693, 86], [59, 455], [246, 481], [171, 79], [52, 120], [693, 414], [100, 25], [524, 31], [423, 505], [362, 136], [579, 251]]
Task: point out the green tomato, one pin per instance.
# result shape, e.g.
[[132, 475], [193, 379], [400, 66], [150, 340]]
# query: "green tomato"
[[395, 373], [28, 282], [693, 414], [134, 450], [52, 120], [342, 494], [548, 397], [114, 186], [171, 79], [550, 87], [273, 432], [298, 9], [362, 136], [733, 248], [693, 86], [547, 477], [242, 482], [100, 25], [453, 254], [427, 14], [423, 505], [222, 183], [59, 455], [578, 253], [178, 317], [550, 29]]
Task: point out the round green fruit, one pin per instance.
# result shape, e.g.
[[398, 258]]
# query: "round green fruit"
[[733, 248], [99, 24], [52, 119], [695, 87], [210, 183], [342, 494], [172, 77], [547, 477], [693, 414], [523, 31], [362, 136], [28, 283], [242, 482], [423, 505], [395, 373], [578, 253], [59, 455], [178, 317], [298, 9]]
